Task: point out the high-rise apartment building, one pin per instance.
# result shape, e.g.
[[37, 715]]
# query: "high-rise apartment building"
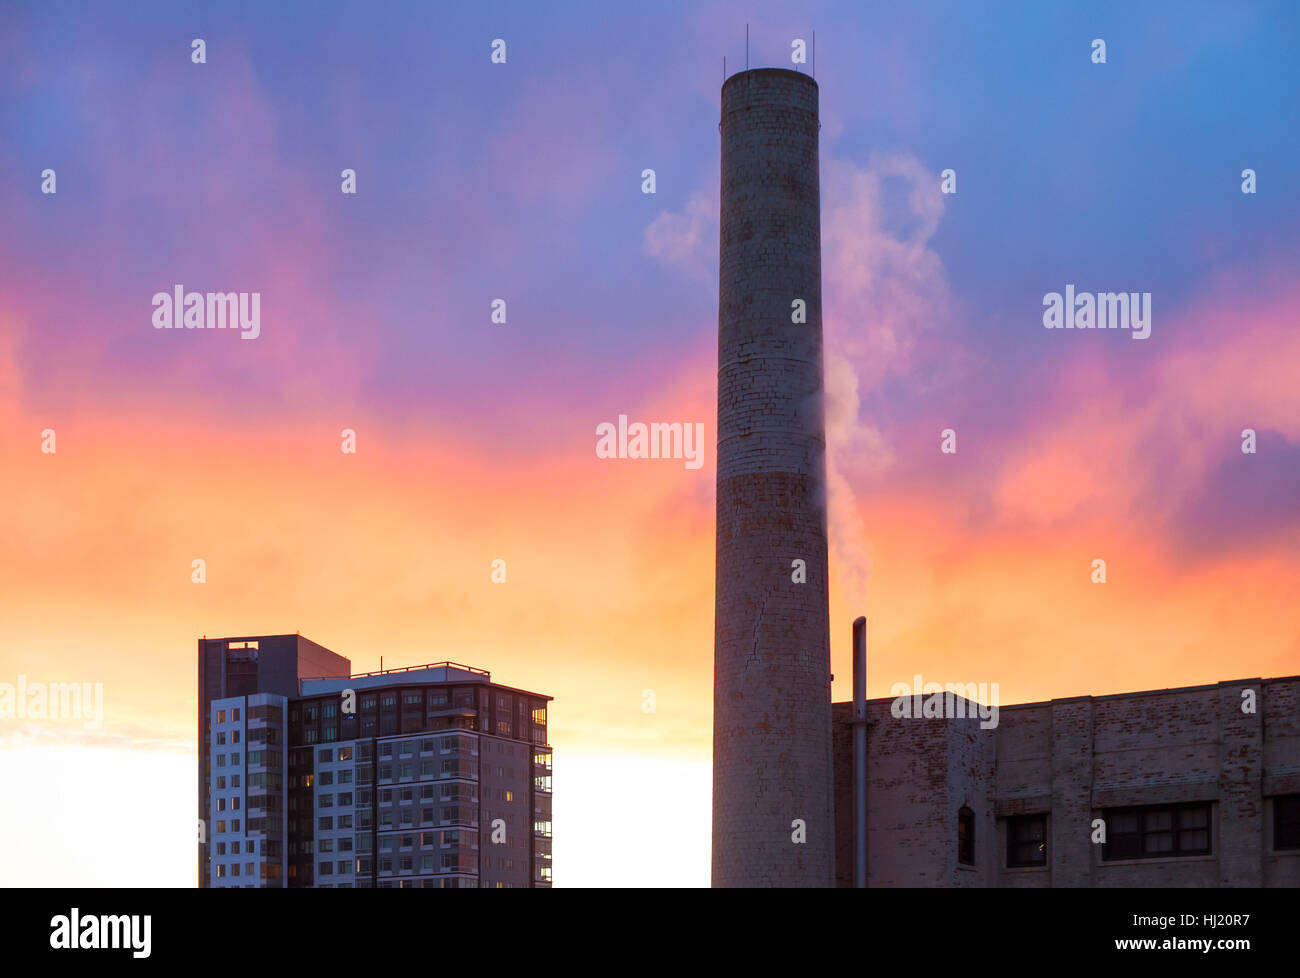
[[427, 775]]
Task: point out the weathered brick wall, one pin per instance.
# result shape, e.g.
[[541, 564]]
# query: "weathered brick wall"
[[1241, 778], [972, 760], [1023, 783], [1072, 765], [1280, 709], [842, 772], [919, 773], [911, 833], [771, 707], [1155, 748]]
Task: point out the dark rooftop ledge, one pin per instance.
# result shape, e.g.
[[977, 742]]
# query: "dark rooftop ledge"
[[771, 71], [398, 669], [1103, 696]]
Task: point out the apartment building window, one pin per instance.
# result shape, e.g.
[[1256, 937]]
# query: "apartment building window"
[[1027, 840], [234, 715], [345, 753], [1286, 822], [325, 756], [1157, 831], [221, 737], [966, 836]]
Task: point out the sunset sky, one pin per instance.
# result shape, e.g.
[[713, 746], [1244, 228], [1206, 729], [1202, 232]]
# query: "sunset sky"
[[522, 181]]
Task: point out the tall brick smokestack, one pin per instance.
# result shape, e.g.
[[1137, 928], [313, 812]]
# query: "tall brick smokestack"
[[771, 659]]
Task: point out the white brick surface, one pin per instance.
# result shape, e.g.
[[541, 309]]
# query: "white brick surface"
[[771, 701]]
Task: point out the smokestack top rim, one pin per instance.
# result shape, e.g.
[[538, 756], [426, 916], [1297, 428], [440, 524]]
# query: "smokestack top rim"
[[790, 72]]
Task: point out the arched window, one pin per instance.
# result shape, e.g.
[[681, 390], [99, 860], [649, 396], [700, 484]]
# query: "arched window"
[[966, 836]]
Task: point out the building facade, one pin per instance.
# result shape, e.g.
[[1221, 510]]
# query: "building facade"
[[1190, 787], [425, 776]]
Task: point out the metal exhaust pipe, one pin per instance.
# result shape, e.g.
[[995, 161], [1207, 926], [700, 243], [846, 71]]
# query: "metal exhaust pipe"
[[860, 753]]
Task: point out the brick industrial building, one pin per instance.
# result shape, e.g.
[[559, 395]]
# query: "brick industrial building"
[[1192, 788], [426, 776], [1196, 787]]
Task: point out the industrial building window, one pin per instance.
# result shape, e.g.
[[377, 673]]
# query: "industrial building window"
[[1027, 840], [1286, 822], [1157, 831], [966, 836]]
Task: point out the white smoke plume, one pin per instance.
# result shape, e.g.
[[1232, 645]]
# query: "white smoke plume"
[[882, 286]]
